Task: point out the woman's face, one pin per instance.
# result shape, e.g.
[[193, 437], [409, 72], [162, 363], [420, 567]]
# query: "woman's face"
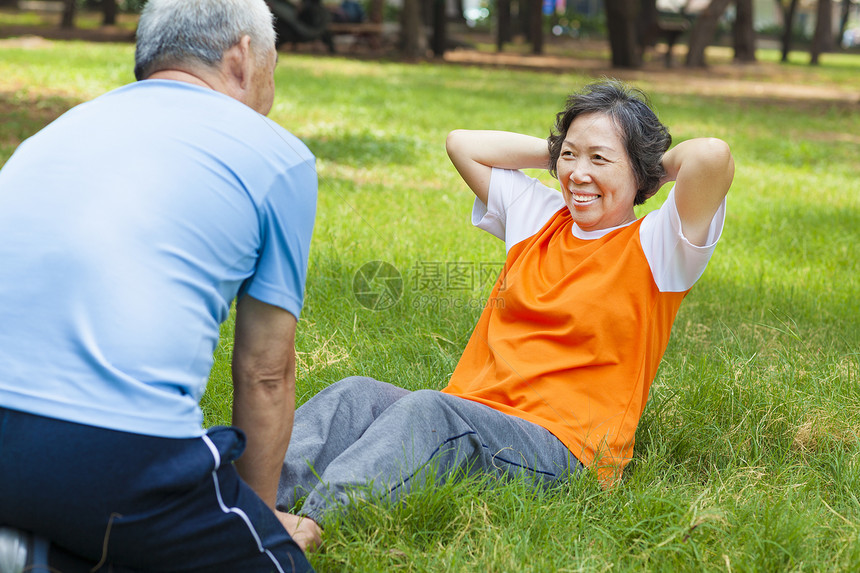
[[596, 177]]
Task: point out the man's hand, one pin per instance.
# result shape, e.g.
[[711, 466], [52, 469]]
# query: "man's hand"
[[264, 392]]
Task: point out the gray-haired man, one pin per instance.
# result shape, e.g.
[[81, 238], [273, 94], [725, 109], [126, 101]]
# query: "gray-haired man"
[[127, 228]]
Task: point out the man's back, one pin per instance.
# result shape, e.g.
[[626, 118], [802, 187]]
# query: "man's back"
[[113, 285]]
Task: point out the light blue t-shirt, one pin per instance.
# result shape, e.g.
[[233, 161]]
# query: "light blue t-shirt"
[[127, 227]]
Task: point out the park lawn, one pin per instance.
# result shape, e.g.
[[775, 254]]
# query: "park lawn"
[[748, 454], [84, 19]]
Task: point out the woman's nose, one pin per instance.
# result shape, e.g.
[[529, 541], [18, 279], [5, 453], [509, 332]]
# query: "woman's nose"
[[579, 172]]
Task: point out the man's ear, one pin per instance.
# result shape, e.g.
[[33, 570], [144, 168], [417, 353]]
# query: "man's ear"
[[237, 67]]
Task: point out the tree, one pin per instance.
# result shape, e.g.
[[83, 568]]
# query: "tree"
[[505, 30], [523, 19], [460, 12], [70, 7], [536, 26], [440, 18], [843, 20], [788, 12], [108, 12], [413, 40], [822, 39], [529, 22], [648, 28], [703, 31], [621, 23], [744, 33], [375, 11]]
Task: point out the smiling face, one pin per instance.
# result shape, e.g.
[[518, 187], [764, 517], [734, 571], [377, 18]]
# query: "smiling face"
[[597, 180]]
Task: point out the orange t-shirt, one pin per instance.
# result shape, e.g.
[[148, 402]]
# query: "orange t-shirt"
[[571, 338]]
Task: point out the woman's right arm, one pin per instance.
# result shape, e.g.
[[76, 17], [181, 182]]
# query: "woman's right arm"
[[475, 153]]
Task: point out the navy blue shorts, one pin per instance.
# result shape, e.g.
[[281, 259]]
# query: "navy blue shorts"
[[138, 503]]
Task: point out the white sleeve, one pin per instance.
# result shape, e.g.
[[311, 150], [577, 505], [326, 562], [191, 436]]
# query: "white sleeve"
[[519, 206], [675, 262]]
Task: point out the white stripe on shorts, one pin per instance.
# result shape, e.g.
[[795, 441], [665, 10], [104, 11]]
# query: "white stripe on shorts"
[[217, 455]]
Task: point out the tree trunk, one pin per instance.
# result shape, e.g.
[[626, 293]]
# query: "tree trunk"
[[413, 43], [648, 30], [375, 11], [427, 8], [744, 32], [703, 32], [621, 16], [69, 9], [788, 28], [505, 33], [439, 27], [822, 40], [536, 26], [524, 12], [109, 13], [843, 21], [461, 11]]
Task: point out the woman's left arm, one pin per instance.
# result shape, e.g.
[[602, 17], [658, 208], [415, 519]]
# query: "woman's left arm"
[[702, 170]]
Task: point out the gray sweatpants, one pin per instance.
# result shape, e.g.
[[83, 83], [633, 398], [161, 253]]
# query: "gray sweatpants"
[[360, 436]]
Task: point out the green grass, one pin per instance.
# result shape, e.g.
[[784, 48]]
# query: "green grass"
[[748, 455], [84, 19]]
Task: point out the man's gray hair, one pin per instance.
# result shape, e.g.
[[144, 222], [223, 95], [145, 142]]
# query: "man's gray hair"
[[198, 32]]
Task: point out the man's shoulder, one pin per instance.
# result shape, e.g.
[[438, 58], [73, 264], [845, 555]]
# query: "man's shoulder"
[[210, 116]]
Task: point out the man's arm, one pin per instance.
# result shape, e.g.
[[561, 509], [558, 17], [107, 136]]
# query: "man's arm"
[[264, 392], [475, 153], [703, 170]]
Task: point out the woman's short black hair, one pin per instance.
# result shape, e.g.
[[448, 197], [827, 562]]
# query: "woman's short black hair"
[[645, 137]]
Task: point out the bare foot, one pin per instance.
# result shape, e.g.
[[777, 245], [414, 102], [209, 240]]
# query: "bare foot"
[[304, 530]]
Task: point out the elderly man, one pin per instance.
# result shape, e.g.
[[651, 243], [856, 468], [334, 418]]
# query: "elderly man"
[[127, 228]]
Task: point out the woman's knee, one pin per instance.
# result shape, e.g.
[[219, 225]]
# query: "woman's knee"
[[355, 386], [359, 392], [422, 401], [431, 409]]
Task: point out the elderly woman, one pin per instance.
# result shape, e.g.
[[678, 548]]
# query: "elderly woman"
[[556, 378]]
